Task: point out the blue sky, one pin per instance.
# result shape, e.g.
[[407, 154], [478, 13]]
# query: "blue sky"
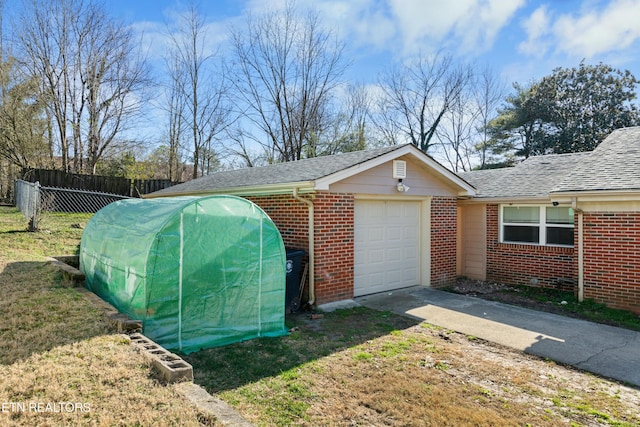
[[521, 40]]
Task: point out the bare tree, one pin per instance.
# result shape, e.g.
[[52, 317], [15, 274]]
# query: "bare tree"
[[287, 69], [116, 78], [93, 80], [347, 129], [489, 93], [175, 109], [457, 131], [200, 89], [22, 125], [416, 96], [463, 134], [45, 43]]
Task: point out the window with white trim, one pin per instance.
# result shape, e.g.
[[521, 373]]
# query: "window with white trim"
[[537, 225]]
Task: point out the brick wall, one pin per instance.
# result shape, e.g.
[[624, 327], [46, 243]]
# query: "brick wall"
[[443, 241], [334, 228], [518, 264], [289, 215], [612, 259]]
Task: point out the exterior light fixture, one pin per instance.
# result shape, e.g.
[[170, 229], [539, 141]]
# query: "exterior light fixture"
[[401, 187]]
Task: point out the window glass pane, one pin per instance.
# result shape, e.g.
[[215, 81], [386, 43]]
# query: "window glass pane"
[[521, 233], [560, 236], [559, 215], [522, 214]]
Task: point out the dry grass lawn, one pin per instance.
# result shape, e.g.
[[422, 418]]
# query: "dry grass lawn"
[[351, 368], [367, 368], [59, 362]]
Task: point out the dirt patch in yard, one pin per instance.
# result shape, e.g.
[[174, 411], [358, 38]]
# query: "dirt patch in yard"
[[504, 293], [550, 300]]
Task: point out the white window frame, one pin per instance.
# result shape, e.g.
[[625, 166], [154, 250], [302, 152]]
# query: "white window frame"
[[542, 226]]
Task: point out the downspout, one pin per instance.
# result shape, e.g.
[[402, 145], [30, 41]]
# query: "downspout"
[[309, 203], [574, 206]]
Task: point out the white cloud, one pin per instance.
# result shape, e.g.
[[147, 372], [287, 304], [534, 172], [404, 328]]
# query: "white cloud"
[[359, 22], [537, 27], [484, 21], [595, 32], [461, 25]]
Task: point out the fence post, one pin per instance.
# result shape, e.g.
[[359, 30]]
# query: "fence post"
[[34, 207]]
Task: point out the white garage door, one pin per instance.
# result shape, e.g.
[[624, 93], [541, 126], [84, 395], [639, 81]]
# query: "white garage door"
[[387, 245]]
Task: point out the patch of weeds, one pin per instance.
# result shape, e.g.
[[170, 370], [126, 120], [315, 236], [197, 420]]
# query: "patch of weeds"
[[441, 365], [594, 412], [486, 392], [430, 327], [391, 349], [362, 356]]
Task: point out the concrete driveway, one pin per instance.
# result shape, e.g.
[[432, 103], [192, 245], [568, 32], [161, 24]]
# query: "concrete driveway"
[[605, 350]]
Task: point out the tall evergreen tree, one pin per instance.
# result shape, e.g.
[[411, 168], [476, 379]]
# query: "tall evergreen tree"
[[571, 110]]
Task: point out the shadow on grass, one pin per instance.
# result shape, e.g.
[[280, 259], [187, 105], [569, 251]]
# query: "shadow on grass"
[[232, 366], [39, 312]]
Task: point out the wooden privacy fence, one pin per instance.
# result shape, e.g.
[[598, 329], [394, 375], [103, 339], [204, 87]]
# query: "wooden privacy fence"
[[99, 183]]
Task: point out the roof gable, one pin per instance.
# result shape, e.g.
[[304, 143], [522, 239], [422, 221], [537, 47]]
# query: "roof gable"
[[316, 173]]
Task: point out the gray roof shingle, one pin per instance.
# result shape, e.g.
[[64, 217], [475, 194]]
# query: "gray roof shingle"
[[278, 173], [534, 177], [613, 165]]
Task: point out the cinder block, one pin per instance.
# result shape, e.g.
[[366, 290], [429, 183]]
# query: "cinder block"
[[71, 274], [170, 366]]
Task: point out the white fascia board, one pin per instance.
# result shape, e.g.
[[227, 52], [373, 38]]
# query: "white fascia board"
[[261, 190], [466, 188], [602, 195], [505, 200]]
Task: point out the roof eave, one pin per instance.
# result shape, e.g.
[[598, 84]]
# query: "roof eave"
[[255, 190], [506, 200], [595, 195]]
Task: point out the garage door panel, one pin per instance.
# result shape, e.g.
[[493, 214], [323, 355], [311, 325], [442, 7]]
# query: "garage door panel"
[[395, 254], [375, 234], [387, 245], [376, 256], [395, 277]]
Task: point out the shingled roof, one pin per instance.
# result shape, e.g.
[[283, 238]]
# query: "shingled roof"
[[613, 166], [306, 172], [533, 178]]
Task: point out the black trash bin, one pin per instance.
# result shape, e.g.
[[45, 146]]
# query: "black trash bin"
[[294, 270]]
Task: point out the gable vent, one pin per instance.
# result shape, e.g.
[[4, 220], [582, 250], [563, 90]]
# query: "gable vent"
[[399, 169]]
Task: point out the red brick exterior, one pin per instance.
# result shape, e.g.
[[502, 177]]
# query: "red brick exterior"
[[443, 241], [289, 215], [334, 244], [334, 248], [518, 264], [611, 249], [612, 259]]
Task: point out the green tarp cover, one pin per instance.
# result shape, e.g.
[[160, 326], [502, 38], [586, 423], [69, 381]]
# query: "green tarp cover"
[[198, 272]]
